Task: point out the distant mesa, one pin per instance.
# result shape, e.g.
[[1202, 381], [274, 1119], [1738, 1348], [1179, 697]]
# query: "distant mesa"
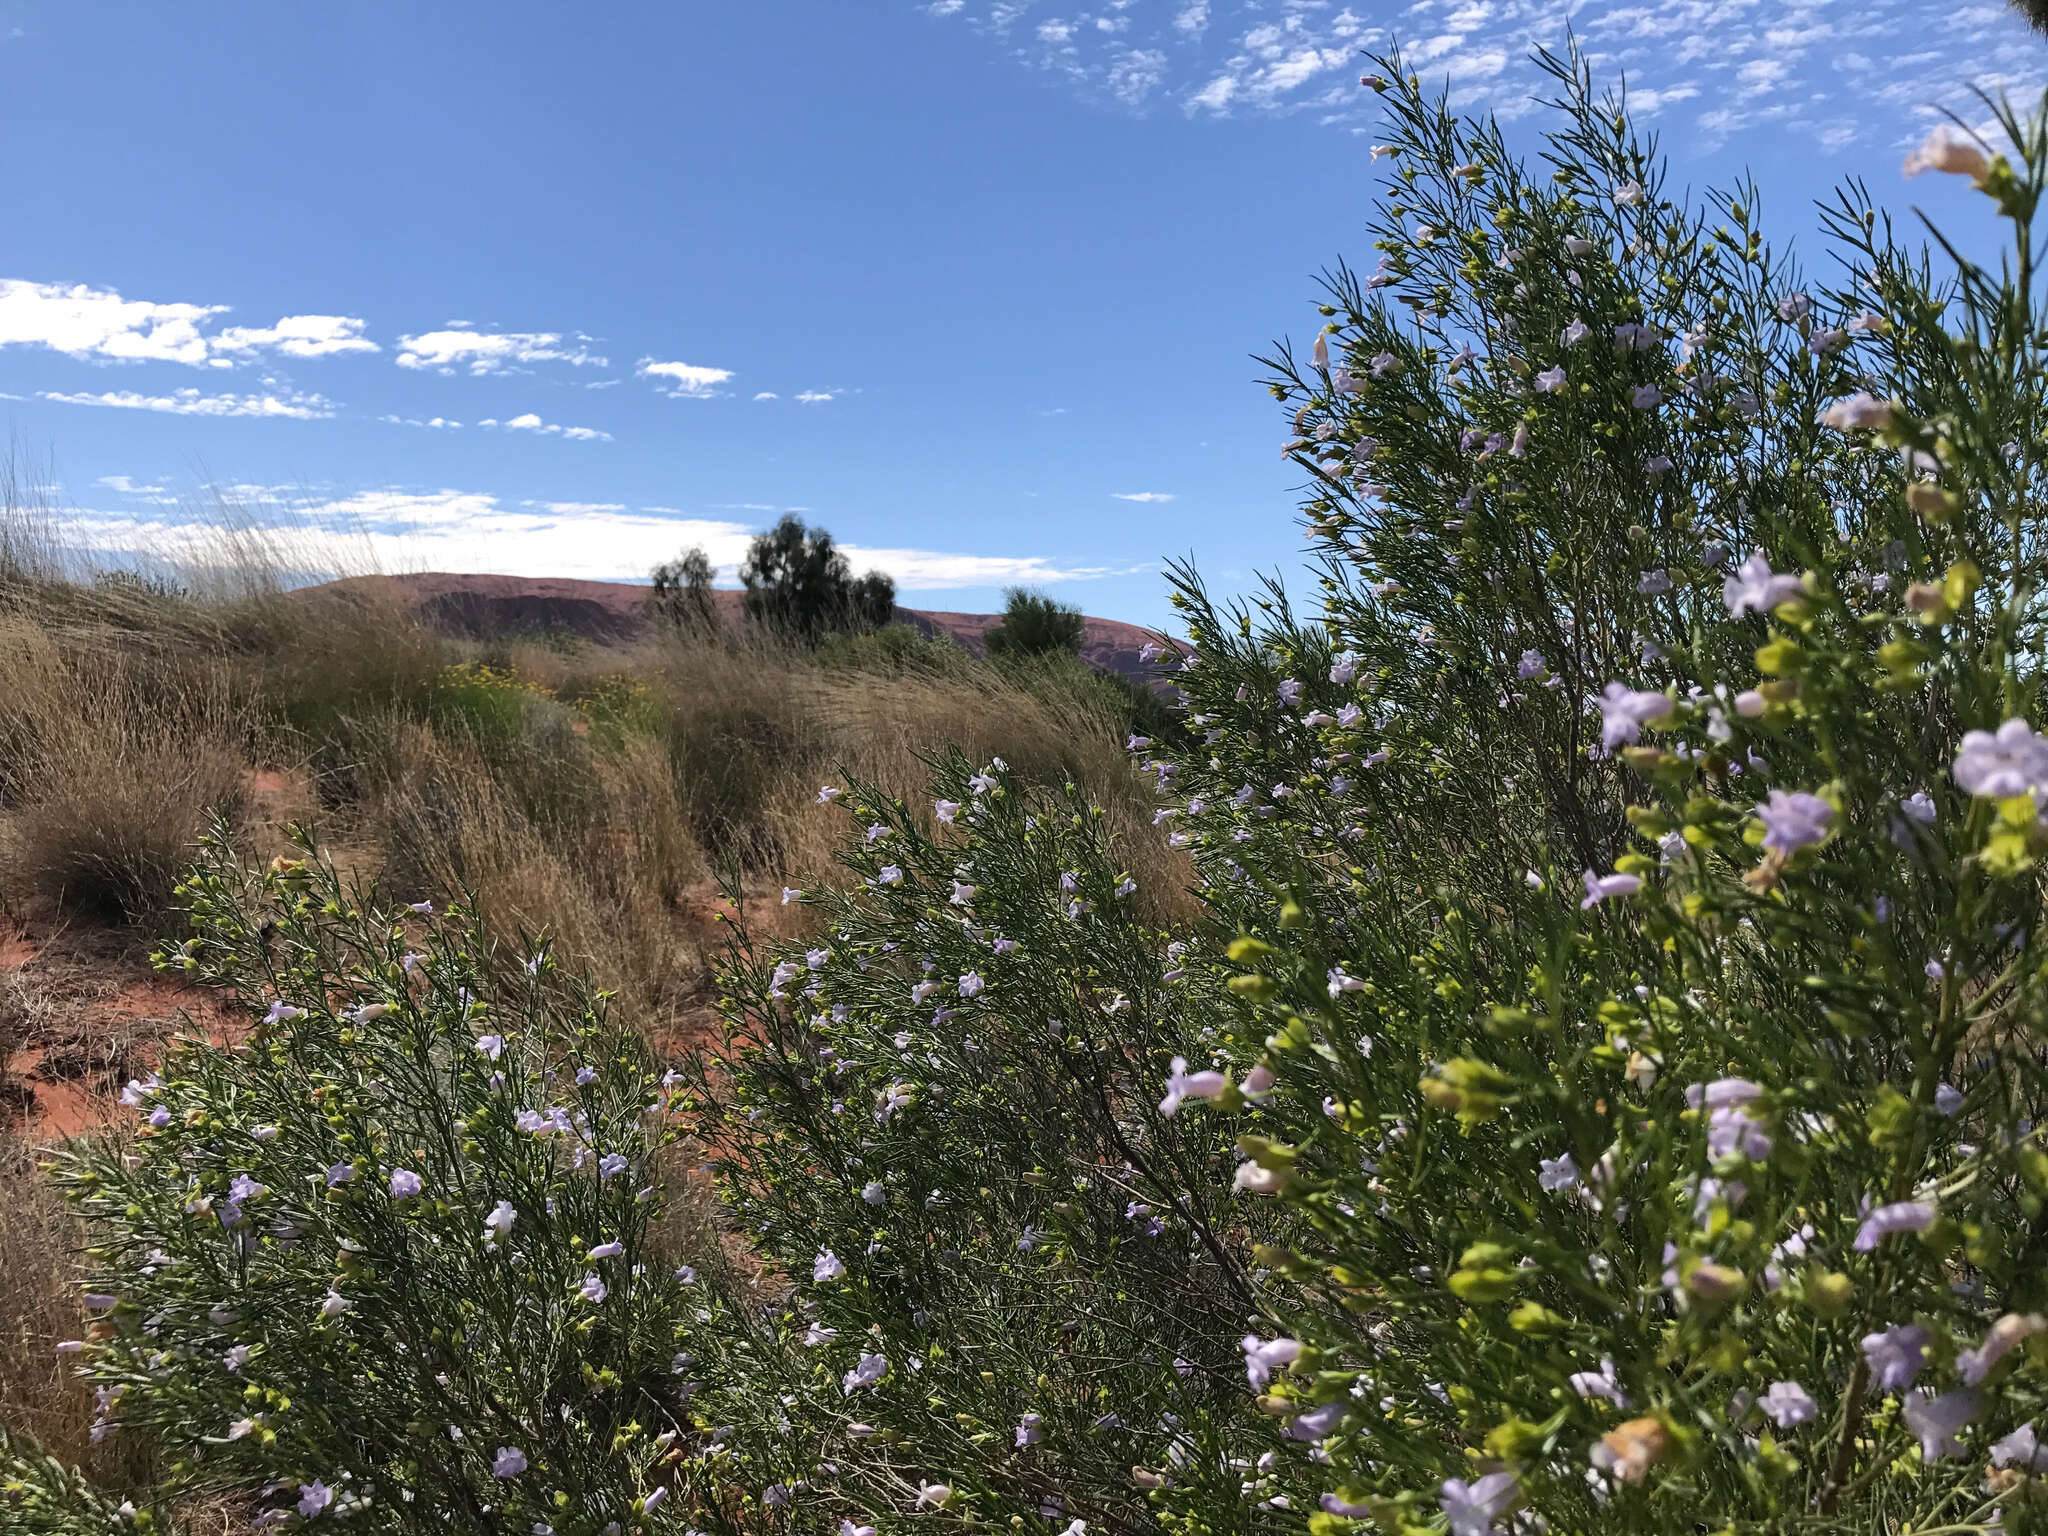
[[613, 612]]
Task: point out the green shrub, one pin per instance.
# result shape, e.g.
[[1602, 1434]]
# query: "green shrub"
[[1036, 625], [392, 1257]]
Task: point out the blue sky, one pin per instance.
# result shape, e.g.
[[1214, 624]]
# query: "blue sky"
[[973, 283]]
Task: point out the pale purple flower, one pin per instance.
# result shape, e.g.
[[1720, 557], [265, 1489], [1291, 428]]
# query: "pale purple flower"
[[314, 1497], [1654, 583], [610, 1250], [2013, 761], [1030, 1430], [1730, 1129], [1558, 1173], [1936, 1421], [1531, 665], [1341, 981], [1384, 363], [280, 1011], [1317, 1423], [826, 1266], [1343, 667], [829, 793], [1628, 195], [1624, 711], [1885, 1220], [511, 1462], [790, 893], [2007, 1334], [889, 874], [592, 1289], [1472, 1508], [339, 1174], [498, 1225], [492, 1046], [1658, 465], [1262, 1357], [1756, 588], [819, 1333], [871, 1369], [1787, 1405], [654, 1500], [404, 1184], [1336, 1506], [1947, 1099], [2021, 1448], [946, 810], [1290, 692], [334, 1304], [245, 1188], [971, 984], [1897, 1355], [1600, 1383], [1183, 1084], [1601, 888], [1646, 397], [611, 1165], [1794, 820], [873, 1192], [1858, 411], [1575, 333], [963, 894], [1151, 651], [1551, 380]]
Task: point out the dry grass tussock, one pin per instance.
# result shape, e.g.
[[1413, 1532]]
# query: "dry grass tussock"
[[588, 792]]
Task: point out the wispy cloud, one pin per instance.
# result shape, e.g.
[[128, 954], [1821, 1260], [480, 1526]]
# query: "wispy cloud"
[[191, 402], [99, 325], [819, 396], [454, 530], [1835, 72], [1143, 495], [126, 486], [479, 352], [439, 423], [529, 422], [685, 381]]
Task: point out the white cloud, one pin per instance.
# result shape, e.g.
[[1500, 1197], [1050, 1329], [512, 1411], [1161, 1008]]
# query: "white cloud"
[[767, 394], [529, 422], [98, 324], [689, 380], [452, 530], [1833, 72], [484, 352], [126, 486], [818, 396], [190, 402], [1143, 495], [437, 422], [299, 336]]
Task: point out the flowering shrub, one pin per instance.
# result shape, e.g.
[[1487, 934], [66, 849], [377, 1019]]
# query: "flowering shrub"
[[1635, 861], [1016, 1279], [1605, 1098], [392, 1258]]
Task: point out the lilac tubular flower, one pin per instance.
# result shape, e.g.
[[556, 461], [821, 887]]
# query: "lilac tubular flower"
[[2012, 761], [1472, 1508], [1625, 711], [1600, 1383], [404, 1184], [314, 1497], [1601, 888], [1885, 1220], [1336, 1506], [1262, 1357], [2022, 1448], [1756, 588], [826, 1266], [592, 1289], [1551, 380], [1646, 397], [871, 1369], [1030, 1430], [1730, 1129], [1531, 665], [1794, 820], [1897, 1355], [1786, 1404], [1318, 1423], [2006, 1335], [1183, 1084], [610, 1250], [1936, 1421], [498, 1225], [511, 1461], [1558, 1173], [1722, 1092]]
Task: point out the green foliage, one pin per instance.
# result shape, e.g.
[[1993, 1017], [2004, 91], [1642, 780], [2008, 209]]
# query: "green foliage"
[[1035, 624], [682, 592], [799, 582], [404, 1229], [1019, 1277]]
